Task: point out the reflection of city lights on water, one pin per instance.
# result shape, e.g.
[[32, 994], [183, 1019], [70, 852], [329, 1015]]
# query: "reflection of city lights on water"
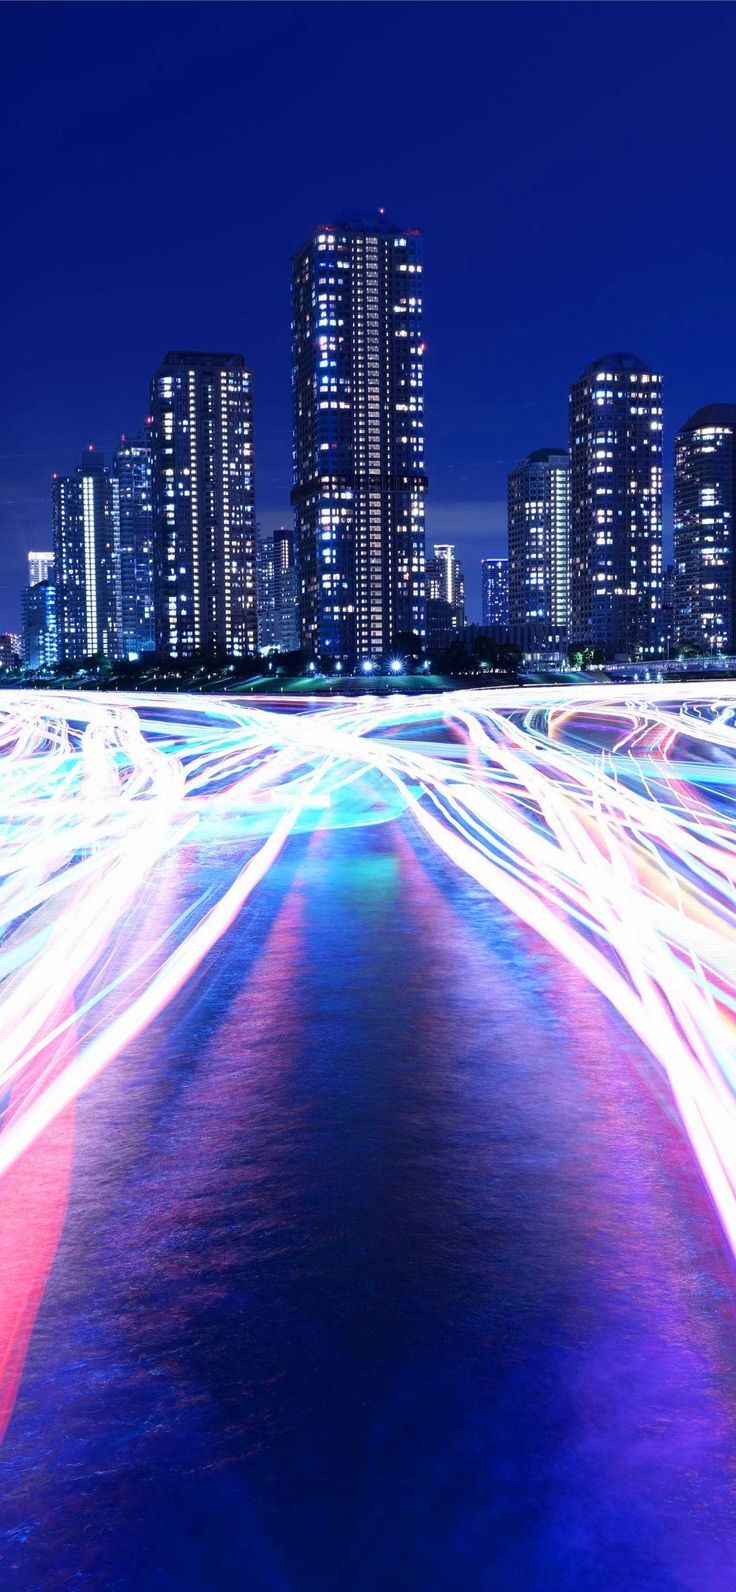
[[603, 817]]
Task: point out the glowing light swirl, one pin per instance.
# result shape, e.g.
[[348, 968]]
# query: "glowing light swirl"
[[604, 817]]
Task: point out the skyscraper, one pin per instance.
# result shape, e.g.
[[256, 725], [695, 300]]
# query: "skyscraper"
[[278, 594], [84, 560], [203, 506], [616, 506], [133, 509], [266, 593], [40, 567], [705, 526], [286, 590], [494, 592], [38, 620], [359, 481], [445, 597], [669, 628], [538, 509]]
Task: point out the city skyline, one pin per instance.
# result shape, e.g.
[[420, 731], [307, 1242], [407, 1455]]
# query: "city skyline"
[[517, 301], [163, 554]]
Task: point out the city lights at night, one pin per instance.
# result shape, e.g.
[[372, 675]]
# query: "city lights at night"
[[368, 797]]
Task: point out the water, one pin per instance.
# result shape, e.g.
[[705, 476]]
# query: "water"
[[385, 1265]]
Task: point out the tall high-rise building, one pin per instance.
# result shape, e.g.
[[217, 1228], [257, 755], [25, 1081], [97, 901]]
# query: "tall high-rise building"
[[203, 506], [266, 593], [133, 509], [84, 560], [705, 527], [278, 593], [445, 597], [359, 481], [538, 509], [669, 627], [616, 506], [40, 567], [38, 620], [286, 590], [494, 592], [446, 581]]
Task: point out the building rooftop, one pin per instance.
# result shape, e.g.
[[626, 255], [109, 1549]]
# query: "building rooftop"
[[711, 415], [546, 455], [364, 225], [186, 356], [628, 362]]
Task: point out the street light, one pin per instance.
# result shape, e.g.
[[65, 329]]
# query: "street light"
[[367, 666], [396, 666]]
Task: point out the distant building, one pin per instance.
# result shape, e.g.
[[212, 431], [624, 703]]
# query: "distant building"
[[38, 617], [286, 590], [203, 506], [445, 598], [278, 593], [705, 527], [359, 480], [84, 561], [669, 630], [494, 592], [10, 650], [616, 507], [538, 516], [266, 594], [40, 567], [133, 509]]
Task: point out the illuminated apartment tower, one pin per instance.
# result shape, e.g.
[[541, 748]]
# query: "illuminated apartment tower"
[[133, 509], [616, 506], [445, 597], [84, 561], [494, 592], [278, 592], [359, 481], [705, 506], [539, 505], [204, 536]]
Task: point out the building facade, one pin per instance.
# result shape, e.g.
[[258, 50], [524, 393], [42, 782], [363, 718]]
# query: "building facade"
[[38, 620], [286, 590], [494, 574], [278, 592], [616, 507], [669, 628], [133, 510], [538, 525], [705, 505], [40, 567], [359, 481], [85, 572], [266, 594], [10, 650], [445, 598], [204, 538]]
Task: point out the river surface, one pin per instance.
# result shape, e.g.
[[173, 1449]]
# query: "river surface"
[[386, 1264]]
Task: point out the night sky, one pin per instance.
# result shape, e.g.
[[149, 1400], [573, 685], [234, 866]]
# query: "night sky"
[[572, 169]]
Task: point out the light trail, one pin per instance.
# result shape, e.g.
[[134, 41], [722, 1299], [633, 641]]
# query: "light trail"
[[604, 817]]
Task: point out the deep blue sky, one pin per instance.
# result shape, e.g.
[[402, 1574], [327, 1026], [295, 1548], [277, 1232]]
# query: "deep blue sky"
[[572, 169]]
